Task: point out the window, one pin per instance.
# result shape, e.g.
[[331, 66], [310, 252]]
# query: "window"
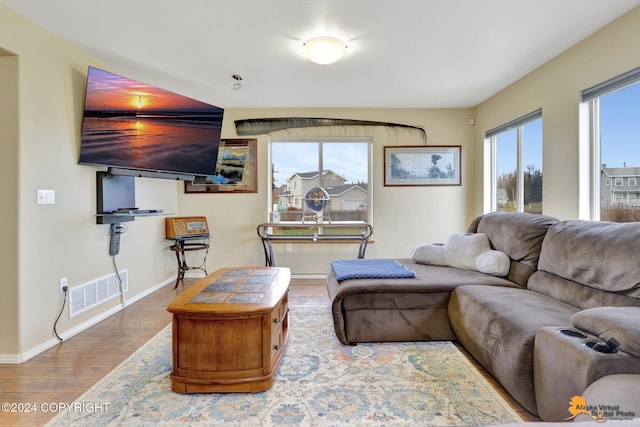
[[346, 167], [516, 164], [613, 110]]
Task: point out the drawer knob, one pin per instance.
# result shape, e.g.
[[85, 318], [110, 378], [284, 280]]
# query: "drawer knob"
[[276, 320], [276, 347]]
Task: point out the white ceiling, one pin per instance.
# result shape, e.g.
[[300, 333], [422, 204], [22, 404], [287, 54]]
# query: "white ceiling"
[[405, 53]]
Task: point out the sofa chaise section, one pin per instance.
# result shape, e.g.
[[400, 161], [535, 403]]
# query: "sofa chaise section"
[[373, 310]]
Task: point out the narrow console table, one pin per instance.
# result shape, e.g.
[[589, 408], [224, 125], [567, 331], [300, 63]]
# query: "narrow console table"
[[181, 247], [230, 330], [313, 232]]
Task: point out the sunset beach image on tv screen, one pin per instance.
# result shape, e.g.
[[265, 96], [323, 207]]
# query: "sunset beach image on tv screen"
[[129, 124]]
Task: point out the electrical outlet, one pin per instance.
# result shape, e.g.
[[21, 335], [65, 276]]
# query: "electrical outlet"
[[63, 284], [288, 247]]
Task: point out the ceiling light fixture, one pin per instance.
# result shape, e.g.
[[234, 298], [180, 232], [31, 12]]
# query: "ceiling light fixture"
[[238, 78], [324, 50]]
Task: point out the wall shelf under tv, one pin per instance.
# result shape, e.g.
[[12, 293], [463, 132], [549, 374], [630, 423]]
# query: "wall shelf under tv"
[[115, 192], [150, 174], [124, 215]]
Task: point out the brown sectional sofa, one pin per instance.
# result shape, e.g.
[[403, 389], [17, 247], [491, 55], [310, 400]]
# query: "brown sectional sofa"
[[565, 275]]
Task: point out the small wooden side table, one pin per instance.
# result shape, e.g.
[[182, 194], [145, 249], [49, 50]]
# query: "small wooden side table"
[[230, 330]]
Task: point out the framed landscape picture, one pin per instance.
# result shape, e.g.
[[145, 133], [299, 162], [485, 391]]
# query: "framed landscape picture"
[[236, 170], [422, 165]]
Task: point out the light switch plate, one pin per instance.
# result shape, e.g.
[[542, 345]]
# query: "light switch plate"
[[46, 197]]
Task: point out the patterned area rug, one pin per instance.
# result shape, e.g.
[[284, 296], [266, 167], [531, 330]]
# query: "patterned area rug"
[[320, 382]]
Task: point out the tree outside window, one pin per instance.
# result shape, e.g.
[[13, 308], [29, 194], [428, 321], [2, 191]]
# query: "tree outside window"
[[518, 165]]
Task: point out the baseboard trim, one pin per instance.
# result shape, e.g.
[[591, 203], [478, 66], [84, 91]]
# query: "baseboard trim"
[[15, 359], [293, 276], [308, 276]]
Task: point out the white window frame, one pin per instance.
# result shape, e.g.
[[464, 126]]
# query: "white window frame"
[[297, 201], [618, 182], [590, 141], [632, 182], [491, 138]]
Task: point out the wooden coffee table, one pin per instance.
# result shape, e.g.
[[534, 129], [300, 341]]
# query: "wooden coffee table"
[[230, 330]]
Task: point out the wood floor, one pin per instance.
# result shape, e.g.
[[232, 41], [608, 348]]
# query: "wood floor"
[[64, 372]]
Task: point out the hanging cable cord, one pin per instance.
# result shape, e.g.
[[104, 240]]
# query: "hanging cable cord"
[[115, 267], [55, 324], [123, 229]]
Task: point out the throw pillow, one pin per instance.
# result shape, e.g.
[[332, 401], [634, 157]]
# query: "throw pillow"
[[429, 254], [462, 249], [493, 262], [470, 251]]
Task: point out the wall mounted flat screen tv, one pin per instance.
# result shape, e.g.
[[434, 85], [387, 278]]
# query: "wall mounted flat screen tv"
[[134, 126]]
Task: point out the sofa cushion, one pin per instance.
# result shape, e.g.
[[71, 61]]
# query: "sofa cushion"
[[576, 294], [520, 236], [621, 323], [600, 255], [498, 326], [615, 390]]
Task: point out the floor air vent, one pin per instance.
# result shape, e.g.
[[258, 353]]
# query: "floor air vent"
[[90, 294]]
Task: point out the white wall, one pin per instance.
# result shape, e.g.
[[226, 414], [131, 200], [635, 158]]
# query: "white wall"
[[403, 216], [555, 87], [61, 240]]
